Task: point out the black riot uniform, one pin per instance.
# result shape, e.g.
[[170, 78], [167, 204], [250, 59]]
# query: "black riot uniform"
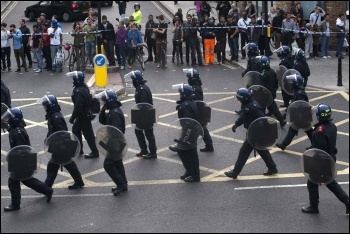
[[268, 79], [115, 168], [250, 111], [55, 123], [288, 62], [303, 68], [5, 95], [299, 95], [187, 108], [324, 138], [198, 96], [252, 65], [144, 95], [81, 118], [19, 136]]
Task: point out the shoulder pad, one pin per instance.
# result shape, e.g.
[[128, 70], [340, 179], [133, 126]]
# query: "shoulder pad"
[[320, 129]]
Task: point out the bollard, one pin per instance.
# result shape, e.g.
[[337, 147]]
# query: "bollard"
[[340, 77]]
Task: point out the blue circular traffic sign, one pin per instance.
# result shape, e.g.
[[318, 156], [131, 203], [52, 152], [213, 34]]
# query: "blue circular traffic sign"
[[100, 60]]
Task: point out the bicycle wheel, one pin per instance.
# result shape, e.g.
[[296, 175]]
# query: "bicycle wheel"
[[72, 62], [272, 40], [66, 54], [139, 58], [192, 12]]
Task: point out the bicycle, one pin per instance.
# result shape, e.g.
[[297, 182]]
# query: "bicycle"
[[72, 57], [140, 52], [67, 48], [272, 40], [163, 57], [193, 12]]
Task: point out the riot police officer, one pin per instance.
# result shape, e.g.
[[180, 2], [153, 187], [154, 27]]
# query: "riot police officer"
[[186, 108], [288, 62], [19, 136], [252, 64], [299, 95], [324, 138], [301, 65], [268, 79], [55, 123], [250, 111], [5, 95], [143, 95], [81, 116], [114, 117]]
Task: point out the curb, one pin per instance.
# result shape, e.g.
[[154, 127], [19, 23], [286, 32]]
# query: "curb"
[[6, 6]]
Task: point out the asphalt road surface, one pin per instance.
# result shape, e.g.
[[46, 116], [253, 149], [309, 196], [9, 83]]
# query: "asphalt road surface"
[[157, 200]]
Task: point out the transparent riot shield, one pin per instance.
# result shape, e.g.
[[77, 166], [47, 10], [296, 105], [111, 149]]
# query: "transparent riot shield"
[[263, 133], [301, 115], [186, 133], [204, 112], [318, 166], [111, 143], [262, 95], [21, 162], [143, 116], [4, 122], [279, 72], [251, 78], [62, 147], [287, 84]]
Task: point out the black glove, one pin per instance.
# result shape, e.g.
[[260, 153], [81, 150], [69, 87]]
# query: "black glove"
[[104, 107], [285, 116], [234, 128], [71, 120]]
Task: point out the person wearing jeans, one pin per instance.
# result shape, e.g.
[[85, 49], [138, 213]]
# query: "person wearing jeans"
[[90, 40], [325, 29], [16, 34], [5, 48], [37, 48], [120, 45]]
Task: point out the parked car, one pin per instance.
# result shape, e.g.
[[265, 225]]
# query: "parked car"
[[65, 10], [94, 3]]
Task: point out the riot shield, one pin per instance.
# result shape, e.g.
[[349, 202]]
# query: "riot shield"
[[279, 72], [186, 133], [21, 162], [204, 112], [61, 147], [287, 81], [111, 143], [263, 133], [251, 78], [143, 116], [262, 95], [301, 115], [318, 166], [4, 123]]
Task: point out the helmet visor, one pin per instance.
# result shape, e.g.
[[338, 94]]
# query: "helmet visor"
[[72, 74], [188, 70], [279, 50], [44, 101], [129, 76], [290, 79], [7, 116], [178, 86]]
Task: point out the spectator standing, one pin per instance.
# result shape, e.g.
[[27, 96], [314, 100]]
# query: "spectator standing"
[[26, 39], [223, 8], [46, 47], [233, 35], [120, 46], [54, 17], [161, 35], [288, 27], [108, 37], [221, 38], [205, 9], [137, 14], [151, 42], [121, 7], [277, 25], [316, 16], [198, 9], [300, 26], [91, 11], [250, 9], [271, 14], [253, 31], [243, 27], [55, 42], [234, 11], [5, 48], [79, 45], [90, 40], [308, 41], [186, 27], [297, 10], [42, 20], [194, 44], [316, 40], [325, 29], [179, 15], [134, 39], [178, 38], [340, 24], [16, 34], [37, 48]]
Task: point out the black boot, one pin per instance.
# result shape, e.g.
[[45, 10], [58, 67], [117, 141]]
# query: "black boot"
[[11, 208], [142, 152], [76, 186], [150, 156], [174, 148], [190, 179], [49, 196], [310, 210], [91, 155], [120, 190], [173, 59], [184, 176], [270, 172], [231, 174], [115, 188], [282, 147], [207, 149], [347, 207]]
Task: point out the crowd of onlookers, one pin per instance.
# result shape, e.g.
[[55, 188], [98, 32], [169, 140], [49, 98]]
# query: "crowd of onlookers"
[[284, 28]]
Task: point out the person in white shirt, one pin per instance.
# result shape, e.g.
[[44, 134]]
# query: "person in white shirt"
[[55, 41], [243, 26], [325, 29], [5, 48]]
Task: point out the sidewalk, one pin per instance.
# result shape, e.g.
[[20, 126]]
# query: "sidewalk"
[[4, 5], [323, 71]]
